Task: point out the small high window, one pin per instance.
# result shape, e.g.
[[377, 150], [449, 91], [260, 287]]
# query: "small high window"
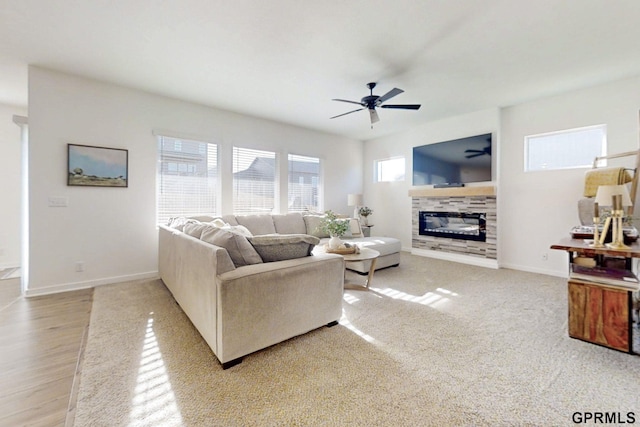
[[387, 170], [573, 148]]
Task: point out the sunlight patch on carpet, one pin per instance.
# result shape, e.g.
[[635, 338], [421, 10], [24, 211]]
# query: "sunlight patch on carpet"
[[153, 400], [346, 323], [433, 299]]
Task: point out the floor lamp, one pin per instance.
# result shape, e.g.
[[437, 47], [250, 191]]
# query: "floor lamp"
[[616, 196]]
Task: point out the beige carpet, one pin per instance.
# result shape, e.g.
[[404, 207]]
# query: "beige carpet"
[[433, 343]]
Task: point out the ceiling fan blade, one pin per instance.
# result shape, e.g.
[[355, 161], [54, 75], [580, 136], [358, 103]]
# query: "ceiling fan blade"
[[374, 115], [393, 92], [470, 156], [403, 106], [350, 102], [344, 114], [474, 151]]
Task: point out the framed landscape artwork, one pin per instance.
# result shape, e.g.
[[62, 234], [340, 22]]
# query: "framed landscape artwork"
[[97, 166]]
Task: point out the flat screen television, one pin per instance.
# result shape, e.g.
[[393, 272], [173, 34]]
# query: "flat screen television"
[[455, 162]]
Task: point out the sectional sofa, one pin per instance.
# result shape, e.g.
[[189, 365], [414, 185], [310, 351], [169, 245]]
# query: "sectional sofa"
[[249, 282]]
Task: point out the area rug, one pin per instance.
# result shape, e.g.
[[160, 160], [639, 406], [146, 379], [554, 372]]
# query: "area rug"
[[432, 343]]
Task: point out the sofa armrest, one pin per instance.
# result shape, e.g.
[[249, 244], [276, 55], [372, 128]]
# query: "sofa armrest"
[[188, 267]]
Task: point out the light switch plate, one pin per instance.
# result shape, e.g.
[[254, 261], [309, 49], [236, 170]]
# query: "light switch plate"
[[58, 202]]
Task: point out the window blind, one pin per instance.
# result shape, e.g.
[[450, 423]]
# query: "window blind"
[[187, 178], [254, 181], [304, 184]]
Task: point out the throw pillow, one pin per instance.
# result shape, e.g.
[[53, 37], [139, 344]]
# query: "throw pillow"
[[313, 223], [279, 247], [194, 228], [238, 247]]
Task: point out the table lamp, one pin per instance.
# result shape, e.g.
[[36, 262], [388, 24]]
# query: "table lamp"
[[616, 196], [355, 200]]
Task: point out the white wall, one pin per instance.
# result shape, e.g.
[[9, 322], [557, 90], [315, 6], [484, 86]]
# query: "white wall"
[[112, 230], [390, 200], [539, 208], [10, 170]]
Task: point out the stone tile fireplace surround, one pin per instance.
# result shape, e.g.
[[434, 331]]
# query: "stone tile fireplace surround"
[[467, 200]]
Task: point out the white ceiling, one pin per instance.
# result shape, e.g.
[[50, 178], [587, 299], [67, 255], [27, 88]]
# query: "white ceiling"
[[286, 59]]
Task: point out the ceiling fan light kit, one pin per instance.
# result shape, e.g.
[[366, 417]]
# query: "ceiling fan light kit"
[[371, 101]]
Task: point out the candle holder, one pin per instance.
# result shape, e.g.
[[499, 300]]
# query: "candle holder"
[[617, 234], [596, 239]]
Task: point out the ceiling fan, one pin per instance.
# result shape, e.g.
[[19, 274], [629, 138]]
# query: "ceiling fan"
[[372, 101], [477, 153]]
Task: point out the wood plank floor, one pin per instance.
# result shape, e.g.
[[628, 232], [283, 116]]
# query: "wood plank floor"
[[40, 342]]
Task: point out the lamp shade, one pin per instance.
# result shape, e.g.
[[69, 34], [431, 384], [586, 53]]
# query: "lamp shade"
[[604, 196], [354, 199]]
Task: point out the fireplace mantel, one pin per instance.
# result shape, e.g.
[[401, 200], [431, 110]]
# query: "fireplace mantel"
[[489, 190]]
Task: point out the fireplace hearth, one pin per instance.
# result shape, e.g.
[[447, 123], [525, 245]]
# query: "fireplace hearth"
[[453, 225]]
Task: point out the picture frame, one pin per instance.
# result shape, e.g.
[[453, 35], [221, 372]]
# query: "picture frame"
[[92, 166]]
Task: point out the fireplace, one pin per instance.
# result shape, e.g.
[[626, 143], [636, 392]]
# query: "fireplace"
[[453, 225]]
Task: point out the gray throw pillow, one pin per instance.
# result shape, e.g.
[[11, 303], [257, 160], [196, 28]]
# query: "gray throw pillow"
[[194, 228], [279, 247], [238, 247]]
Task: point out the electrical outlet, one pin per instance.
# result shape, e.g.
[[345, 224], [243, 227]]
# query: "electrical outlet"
[[79, 266]]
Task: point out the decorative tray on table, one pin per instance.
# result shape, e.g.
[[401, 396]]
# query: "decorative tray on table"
[[341, 251]]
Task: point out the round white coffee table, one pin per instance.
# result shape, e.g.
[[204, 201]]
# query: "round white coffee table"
[[364, 255]]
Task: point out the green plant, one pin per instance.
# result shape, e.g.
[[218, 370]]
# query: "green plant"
[[333, 225], [365, 211]]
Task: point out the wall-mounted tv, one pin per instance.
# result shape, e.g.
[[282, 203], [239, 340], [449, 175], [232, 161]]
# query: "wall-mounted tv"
[[459, 161]]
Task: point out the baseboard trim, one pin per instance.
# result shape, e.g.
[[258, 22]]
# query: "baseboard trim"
[[67, 287], [528, 269], [464, 259]]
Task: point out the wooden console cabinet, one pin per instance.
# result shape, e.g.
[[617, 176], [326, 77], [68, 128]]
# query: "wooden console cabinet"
[[598, 312], [600, 315]]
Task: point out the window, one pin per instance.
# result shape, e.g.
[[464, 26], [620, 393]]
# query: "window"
[[573, 148], [304, 178], [254, 181], [389, 170], [187, 178]]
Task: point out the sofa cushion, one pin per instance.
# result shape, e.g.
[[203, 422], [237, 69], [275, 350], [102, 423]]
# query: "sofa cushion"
[[291, 223], [194, 228], [278, 247], [238, 247], [312, 223], [257, 224]]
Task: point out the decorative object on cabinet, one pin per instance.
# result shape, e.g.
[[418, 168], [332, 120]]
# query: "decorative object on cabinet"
[[364, 212], [616, 196]]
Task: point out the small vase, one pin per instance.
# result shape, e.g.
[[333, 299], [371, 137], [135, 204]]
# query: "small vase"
[[365, 220], [334, 242]]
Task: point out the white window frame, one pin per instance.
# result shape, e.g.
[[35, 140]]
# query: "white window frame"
[[570, 139], [379, 164]]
